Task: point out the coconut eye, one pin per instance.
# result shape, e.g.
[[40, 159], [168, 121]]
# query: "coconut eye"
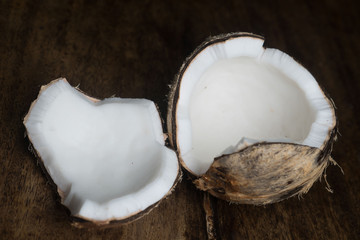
[[107, 158], [249, 121]]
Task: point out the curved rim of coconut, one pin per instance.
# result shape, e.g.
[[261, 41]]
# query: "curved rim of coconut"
[[323, 129], [81, 220]]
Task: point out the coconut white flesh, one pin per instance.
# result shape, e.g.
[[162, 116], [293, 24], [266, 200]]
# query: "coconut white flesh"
[[108, 157], [237, 93]]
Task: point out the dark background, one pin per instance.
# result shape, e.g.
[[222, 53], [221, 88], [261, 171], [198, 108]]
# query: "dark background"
[[134, 49]]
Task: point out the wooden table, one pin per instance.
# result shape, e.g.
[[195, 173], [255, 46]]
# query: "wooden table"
[[134, 49]]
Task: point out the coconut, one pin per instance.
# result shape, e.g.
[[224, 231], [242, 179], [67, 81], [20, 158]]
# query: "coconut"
[[107, 159], [250, 124]]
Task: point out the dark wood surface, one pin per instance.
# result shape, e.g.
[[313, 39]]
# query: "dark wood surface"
[[134, 49]]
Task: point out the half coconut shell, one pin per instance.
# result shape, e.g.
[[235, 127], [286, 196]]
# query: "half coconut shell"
[[290, 125], [107, 159]]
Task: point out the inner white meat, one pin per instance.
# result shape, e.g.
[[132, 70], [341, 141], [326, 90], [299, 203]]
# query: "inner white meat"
[[107, 157], [236, 93], [244, 98]]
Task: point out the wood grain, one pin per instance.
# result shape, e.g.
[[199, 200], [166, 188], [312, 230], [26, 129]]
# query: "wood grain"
[[134, 49]]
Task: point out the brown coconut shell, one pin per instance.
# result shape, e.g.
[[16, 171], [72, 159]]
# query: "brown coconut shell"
[[261, 173], [78, 220]]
